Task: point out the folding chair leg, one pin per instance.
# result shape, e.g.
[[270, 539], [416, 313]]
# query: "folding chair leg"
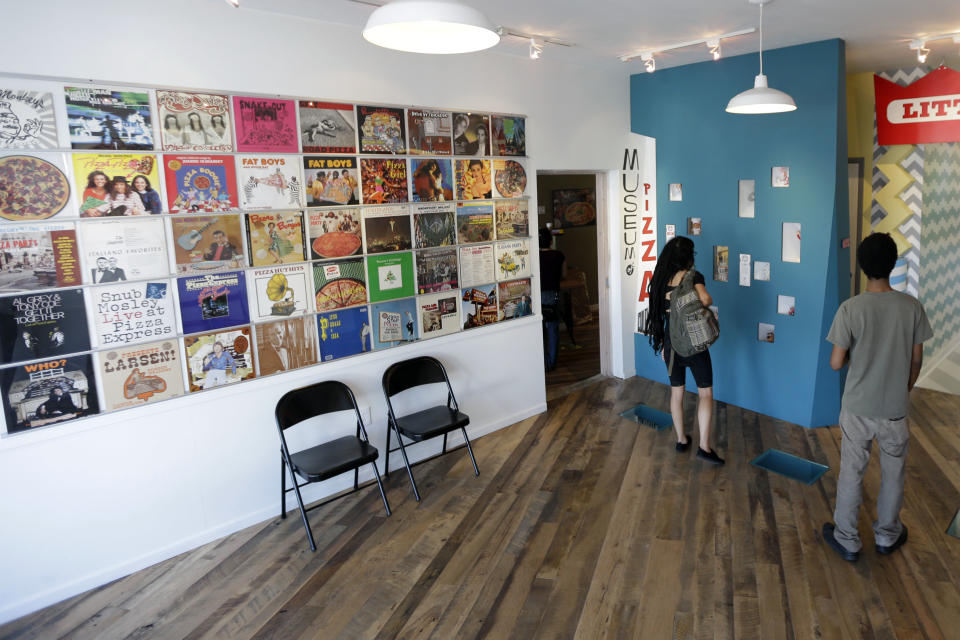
[[444, 450], [386, 458], [283, 488], [406, 461], [476, 471], [356, 478], [303, 514], [383, 496]]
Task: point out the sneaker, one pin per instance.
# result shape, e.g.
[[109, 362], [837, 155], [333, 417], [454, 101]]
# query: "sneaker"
[[831, 539], [709, 456], [896, 545], [683, 446]]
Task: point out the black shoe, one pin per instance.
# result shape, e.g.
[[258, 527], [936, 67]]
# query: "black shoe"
[[709, 456], [683, 446], [896, 545], [830, 539]]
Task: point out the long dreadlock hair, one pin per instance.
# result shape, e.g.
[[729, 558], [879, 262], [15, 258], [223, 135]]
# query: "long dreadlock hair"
[[676, 256]]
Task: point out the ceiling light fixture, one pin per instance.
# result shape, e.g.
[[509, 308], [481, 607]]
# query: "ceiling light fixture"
[[714, 47], [535, 49], [761, 99], [648, 62], [234, 3], [430, 26], [921, 48], [710, 42]]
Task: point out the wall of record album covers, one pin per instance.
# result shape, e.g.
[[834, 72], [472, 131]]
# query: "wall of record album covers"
[[156, 243]]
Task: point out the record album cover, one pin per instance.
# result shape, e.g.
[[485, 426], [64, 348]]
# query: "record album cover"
[[286, 345], [219, 358], [512, 219], [270, 182], [140, 374], [471, 134], [434, 224], [477, 265], [474, 222], [213, 301], [334, 233], [42, 325], [200, 183], [390, 276], [344, 332], [513, 259], [129, 313], [394, 323], [509, 136], [33, 187], [381, 129], [473, 179], [387, 228], [107, 184], [265, 125], [331, 181], [514, 299], [194, 121], [383, 180], [509, 178], [104, 118], [339, 284], [439, 314], [116, 249], [430, 132], [479, 306], [275, 238], [436, 269], [327, 127], [279, 292], [38, 256], [41, 394], [27, 119], [431, 179], [208, 243]]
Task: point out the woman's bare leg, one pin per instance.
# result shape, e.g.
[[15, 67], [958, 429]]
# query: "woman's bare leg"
[[705, 416], [676, 410]]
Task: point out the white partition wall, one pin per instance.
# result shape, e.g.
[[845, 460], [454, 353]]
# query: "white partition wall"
[[90, 501]]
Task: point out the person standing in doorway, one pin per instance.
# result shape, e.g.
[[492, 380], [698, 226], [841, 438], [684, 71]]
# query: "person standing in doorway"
[[879, 334], [553, 268]]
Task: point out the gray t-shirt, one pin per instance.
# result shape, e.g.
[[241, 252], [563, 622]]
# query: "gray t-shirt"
[[879, 329]]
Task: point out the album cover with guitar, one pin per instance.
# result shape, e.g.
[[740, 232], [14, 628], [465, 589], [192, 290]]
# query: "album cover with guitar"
[[204, 244]]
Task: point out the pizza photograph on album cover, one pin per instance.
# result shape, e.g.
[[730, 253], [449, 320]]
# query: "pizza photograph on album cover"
[[34, 187], [339, 284], [41, 394], [334, 233]]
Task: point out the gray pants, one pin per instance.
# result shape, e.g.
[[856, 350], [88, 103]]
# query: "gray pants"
[[892, 439]]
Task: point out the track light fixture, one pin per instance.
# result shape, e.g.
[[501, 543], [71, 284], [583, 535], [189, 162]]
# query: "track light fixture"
[[648, 62], [714, 47], [535, 49], [921, 49], [234, 3]]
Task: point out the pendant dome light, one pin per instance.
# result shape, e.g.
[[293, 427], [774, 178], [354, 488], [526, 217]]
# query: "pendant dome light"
[[761, 99], [430, 26]]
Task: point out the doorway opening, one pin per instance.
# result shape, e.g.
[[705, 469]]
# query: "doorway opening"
[[570, 204]]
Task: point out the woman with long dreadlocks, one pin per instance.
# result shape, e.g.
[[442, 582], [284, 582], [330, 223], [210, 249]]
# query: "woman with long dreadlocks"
[[675, 261]]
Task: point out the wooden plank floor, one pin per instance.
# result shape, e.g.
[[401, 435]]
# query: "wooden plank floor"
[[581, 525], [575, 363]]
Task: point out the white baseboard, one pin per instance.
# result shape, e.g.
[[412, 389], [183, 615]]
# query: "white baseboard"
[[13, 610]]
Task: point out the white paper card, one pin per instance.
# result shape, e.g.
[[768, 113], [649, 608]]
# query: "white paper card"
[[761, 271], [748, 189], [744, 269], [790, 251]]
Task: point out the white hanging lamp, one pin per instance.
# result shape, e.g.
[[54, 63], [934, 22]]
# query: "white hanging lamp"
[[761, 99], [430, 26]]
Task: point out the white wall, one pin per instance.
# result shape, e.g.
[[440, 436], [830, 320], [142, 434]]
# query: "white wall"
[[84, 503]]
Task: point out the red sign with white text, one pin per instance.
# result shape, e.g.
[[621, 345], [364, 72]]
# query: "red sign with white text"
[[926, 111]]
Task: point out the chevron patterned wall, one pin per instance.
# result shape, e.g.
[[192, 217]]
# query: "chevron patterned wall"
[[897, 205], [917, 188]]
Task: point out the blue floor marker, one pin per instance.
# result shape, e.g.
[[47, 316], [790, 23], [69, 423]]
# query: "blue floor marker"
[[954, 528], [642, 414], [789, 465]]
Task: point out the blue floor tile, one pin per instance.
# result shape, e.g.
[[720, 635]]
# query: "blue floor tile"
[[642, 414], [789, 465], [954, 528]]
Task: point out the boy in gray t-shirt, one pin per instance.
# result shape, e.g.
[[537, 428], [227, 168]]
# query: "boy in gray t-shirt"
[[880, 334]]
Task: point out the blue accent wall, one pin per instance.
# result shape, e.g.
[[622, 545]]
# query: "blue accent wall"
[[708, 150]]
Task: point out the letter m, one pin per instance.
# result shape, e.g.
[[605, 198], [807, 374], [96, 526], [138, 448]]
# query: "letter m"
[[630, 159]]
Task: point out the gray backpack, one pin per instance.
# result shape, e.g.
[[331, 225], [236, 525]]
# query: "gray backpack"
[[693, 327]]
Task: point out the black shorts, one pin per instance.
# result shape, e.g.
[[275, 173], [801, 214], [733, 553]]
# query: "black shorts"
[[700, 365]]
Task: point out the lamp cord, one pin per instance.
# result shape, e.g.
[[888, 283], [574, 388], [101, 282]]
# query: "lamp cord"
[[761, 38]]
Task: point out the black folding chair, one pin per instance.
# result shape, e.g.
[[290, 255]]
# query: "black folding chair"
[[428, 423], [328, 459]]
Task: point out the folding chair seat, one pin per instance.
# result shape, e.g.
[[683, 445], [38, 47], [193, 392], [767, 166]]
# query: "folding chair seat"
[[427, 423], [328, 459]]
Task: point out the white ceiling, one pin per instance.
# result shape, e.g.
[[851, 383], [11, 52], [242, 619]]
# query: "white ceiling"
[[876, 31]]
